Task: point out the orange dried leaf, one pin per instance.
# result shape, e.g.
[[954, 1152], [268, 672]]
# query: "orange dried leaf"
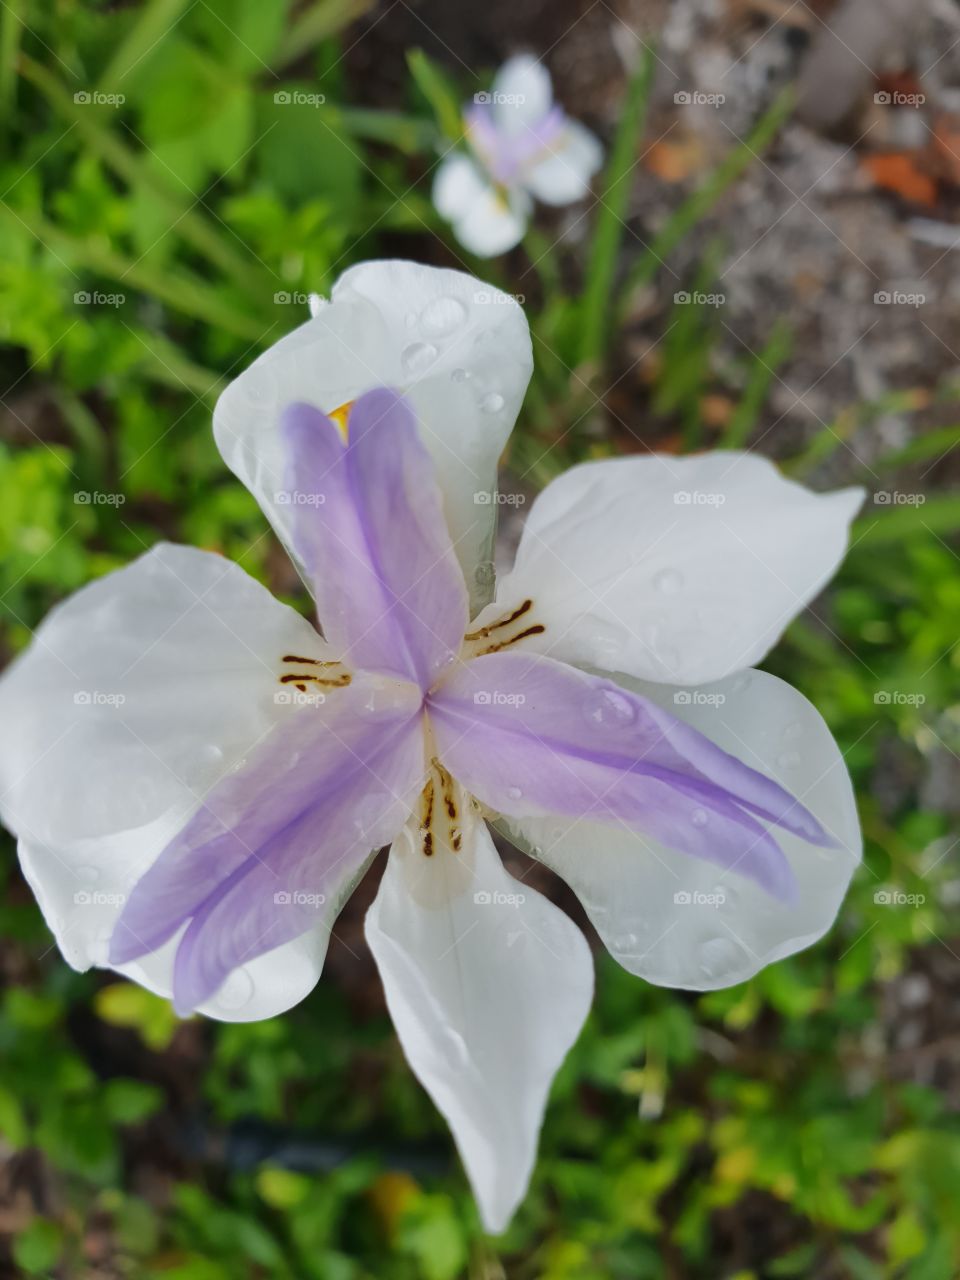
[[899, 172]]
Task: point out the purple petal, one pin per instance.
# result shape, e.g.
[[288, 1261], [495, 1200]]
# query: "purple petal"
[[530, 736], [369, 527], [275, 842], [507, 155]]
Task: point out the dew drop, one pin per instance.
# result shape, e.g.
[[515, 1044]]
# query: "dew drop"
[[514, 793], [237, 991], [485, 573], [699, 817], [793, 731], [492, 403], [211, 754], [788, 759], [460, 375], [442, 316], [716, 956], [609, 707], [668, 582], [410, 319], [88, 873], [418, 357]]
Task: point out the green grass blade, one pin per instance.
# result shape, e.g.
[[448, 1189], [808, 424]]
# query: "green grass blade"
[[935, 445], [11, 33], [610, 226], [696, 207], [317, 23], [146, 35], [439, 93], [887, 525], [203, 235], [181, 290], [763, 370]]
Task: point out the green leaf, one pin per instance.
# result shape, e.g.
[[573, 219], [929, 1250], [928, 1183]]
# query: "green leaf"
[[124, 1004], [610, 223], [37, 1248], [439, 93]]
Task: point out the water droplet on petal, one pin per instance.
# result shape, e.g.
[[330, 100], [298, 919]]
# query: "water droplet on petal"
[[461, 375], [418, 357], [625, 943], [788, 759], [442, 316], [699, 817], [609, 707], [793, 731], [485, 573], [211, 754], [492, 403], [717, 956], [88, 873], [514, 793], [668, 581], [236, 991], [410, 319]]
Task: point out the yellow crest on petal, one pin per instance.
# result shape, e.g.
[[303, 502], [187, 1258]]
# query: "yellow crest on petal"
[[339, 417]]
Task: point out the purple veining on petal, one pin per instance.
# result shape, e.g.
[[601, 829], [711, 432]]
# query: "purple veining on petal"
[[369, 527], [275, 841], [507, 155], [531, 736]]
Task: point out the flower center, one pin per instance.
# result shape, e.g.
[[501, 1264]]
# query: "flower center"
[[440, 815]]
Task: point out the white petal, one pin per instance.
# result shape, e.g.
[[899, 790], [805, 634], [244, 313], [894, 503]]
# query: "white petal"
[[563, 174], [494, 223], [459, 348], [137, 694], [488, 985], [679, 570], [458, 183], [678, 921], [522, 94]]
